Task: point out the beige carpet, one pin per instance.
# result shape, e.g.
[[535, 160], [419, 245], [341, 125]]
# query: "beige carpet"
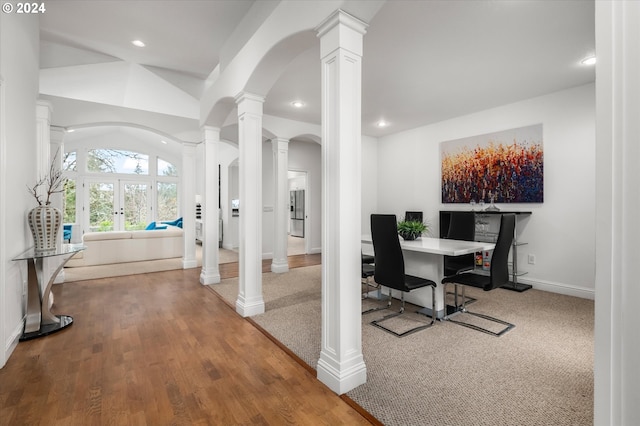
[[539, 373], [120, 269]]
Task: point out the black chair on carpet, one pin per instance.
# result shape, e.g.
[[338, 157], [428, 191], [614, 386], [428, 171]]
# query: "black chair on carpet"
[[368, 270], [499, 276], [389, 269], [462, 226]]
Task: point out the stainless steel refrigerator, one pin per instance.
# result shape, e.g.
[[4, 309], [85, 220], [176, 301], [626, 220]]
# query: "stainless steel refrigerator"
[[297, 213]]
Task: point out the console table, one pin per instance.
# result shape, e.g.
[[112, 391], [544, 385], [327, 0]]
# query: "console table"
[[39, 320], [491, 235]]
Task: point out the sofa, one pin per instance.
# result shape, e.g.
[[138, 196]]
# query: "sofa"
[[129, 246]]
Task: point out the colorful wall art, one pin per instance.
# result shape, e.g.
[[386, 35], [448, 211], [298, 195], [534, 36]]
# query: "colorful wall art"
[[505, 166]]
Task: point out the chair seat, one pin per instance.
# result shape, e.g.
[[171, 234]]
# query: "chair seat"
[[457, 264], [470, 279], [368, 270], [367, 258], [413, 283]]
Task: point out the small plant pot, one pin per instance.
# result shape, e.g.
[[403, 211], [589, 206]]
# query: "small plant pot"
[[409, 236]]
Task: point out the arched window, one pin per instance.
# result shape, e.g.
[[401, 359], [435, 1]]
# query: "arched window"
[[116, 189], [117, 161]]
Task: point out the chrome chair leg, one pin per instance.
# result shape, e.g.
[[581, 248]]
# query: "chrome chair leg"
[[463, 310], [378, 323], [382, 306]]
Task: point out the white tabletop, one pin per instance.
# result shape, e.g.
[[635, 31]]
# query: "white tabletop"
[[440, 245]]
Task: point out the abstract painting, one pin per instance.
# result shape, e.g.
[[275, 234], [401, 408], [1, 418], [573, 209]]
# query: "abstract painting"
[[503, 167]]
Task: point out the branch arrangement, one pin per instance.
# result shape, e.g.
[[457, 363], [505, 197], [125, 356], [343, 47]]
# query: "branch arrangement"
[[53, 181]]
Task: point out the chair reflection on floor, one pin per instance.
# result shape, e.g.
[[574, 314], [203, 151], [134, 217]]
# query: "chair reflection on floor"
[[390, 272]]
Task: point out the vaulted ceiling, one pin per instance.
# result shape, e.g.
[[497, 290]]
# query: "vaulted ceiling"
[[424, 61]]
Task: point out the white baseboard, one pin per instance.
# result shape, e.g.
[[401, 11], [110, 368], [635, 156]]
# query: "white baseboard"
[[12, 342], [560, 288], [229, 247]]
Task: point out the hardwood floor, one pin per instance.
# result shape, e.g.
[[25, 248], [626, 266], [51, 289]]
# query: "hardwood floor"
[[160, 349], [230, 270]]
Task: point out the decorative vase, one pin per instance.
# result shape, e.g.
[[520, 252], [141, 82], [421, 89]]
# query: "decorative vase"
[[44, 222]]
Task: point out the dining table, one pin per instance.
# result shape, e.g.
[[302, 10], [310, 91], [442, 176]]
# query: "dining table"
[[423, 257]]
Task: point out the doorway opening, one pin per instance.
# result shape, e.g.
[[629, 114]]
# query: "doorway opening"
[[297, 227]]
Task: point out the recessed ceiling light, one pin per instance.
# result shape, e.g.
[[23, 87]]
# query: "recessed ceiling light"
[[71, 130], [382, 123], [589, 61], [297, 104], [138, 43], [164, 142]]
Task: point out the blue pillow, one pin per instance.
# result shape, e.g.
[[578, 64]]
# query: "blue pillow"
[[160, 227], [177, 222], [150, 226]]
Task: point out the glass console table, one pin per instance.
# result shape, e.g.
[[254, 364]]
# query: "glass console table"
[[40, 321]]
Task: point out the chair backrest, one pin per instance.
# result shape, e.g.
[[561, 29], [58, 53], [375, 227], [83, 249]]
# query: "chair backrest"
[[462, 226], [500, 257], [389, 266], [413, 216]]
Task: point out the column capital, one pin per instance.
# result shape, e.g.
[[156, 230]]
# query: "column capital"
[[280, 144], [43, 109], [342, 30], [189, 146], [210, 132], [246, 96]]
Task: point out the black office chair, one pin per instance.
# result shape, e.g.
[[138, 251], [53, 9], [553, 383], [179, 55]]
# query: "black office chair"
[[389, 269], [498, 277]]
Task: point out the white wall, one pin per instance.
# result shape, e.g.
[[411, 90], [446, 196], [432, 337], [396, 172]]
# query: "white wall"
[[19, 46], [560, 232], [369, 181]]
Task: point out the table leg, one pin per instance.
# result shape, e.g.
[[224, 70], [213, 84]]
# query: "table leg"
[[34, 311], [40, 320]]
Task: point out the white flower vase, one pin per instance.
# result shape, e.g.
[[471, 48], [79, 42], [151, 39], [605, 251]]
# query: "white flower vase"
[[44, 222]]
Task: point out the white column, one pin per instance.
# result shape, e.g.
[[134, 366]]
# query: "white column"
[[280, 262], [210, 273], [43, 160], [56, 136], [250, 301], [617, 228], [188, 202], [341, 365], [43, 146]]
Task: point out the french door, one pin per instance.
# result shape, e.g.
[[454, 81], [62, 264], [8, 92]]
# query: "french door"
[[116, 205]]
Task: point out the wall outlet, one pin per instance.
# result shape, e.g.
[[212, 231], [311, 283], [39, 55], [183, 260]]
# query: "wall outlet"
[[532, 259]]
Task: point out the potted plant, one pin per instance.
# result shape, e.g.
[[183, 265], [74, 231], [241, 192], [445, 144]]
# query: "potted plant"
[[44, 220], [411, 229]]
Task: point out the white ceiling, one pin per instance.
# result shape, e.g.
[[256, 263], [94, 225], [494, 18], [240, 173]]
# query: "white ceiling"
[[424, 61]]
